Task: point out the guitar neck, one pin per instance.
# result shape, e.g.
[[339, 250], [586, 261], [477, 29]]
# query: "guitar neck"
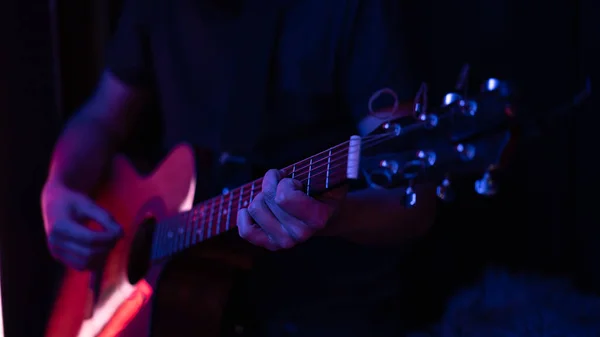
[[217, 215]]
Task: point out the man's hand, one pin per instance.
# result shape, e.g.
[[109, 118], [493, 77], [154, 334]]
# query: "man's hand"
[[282, 215], [66, 213]]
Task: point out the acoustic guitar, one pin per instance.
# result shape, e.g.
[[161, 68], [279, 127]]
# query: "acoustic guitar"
[[464, 134]]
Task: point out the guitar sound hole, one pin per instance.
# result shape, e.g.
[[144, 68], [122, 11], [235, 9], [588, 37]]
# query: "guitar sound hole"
[[139, 256]]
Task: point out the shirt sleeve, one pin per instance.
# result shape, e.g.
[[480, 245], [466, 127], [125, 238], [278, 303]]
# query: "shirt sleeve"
[[128, 54], [376, 58]]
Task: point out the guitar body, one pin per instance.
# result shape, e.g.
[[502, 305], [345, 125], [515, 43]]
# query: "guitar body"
[[465, 136], [122, 308]]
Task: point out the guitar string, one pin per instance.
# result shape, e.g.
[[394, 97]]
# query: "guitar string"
[[313, 171], [188, 216], [370, 141], [366, 142], [225, 199]]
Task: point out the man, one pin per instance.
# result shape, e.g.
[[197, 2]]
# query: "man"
[[272, 73]]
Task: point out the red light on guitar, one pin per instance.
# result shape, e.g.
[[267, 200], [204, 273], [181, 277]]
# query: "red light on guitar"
[[127, 311]]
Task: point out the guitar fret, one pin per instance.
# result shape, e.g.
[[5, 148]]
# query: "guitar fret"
[[231, 194], [170, 236], [328, 168], [309, 173], [220, 215], [202, 231], [194, 226], [177, 237], [210, 220], [181, 233], [199, 224], [188, 225]]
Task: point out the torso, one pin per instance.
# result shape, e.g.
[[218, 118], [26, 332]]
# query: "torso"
[[203, 99]]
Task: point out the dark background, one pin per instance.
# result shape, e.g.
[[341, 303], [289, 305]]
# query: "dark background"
[[51, 55]]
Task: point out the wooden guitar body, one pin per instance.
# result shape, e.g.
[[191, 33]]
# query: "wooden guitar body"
[[132, 200], [464, 136]]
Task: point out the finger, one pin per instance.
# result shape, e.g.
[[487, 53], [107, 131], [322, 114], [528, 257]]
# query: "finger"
[[296, 228], [85, 251], [88, 209], [73, 261], [76, 257], [265, 219], [293, 201], [72, 231], [270, 182], [252, 233]]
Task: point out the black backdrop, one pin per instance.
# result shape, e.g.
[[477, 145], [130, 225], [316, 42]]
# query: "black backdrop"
[[542, 46]]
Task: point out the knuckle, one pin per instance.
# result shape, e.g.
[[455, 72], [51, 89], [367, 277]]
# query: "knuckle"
[[320, 224], [253, 207], [272, 247], [272, 174], [303, 235], [287, 243], [243, 231], [282, 197]]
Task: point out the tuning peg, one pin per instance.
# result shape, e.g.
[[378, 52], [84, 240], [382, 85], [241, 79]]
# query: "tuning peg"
[[466, 152], [495, 85], [445, 192], [427, 157], [410, 197], [451, 98], [469, 108], [491, 84], [383, 176], [393, 127], [455, 101], [390, 165], [486, 186], [430, 120]]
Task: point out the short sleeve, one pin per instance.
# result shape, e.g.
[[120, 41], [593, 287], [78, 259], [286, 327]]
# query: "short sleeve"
[[375, 58], [129, 55]]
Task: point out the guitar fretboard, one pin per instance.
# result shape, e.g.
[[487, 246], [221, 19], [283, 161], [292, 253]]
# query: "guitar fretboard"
[[215, 216]]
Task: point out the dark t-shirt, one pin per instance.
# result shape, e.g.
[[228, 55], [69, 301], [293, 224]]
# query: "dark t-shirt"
[[280, 79]]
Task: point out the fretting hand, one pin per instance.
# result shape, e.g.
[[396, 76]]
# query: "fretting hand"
[[282, 215]]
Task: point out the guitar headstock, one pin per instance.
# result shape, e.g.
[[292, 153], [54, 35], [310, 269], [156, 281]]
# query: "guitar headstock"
[[467, 133]]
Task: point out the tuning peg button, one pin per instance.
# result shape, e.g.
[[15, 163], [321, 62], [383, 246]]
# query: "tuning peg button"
[[410, 197], [390, 165], [451, 98], [486, 186], [393, 127], [445, 192], [466, 152], [496, 86], [427, 157], [430, 120]]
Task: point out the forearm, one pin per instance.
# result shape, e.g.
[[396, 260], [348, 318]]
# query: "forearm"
[[378, 216], [82, 153]]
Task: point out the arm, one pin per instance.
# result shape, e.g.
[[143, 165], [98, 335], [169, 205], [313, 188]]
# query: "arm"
[[282, 215], [98, 129], [376, 60], [102, 124], [87, 146]]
